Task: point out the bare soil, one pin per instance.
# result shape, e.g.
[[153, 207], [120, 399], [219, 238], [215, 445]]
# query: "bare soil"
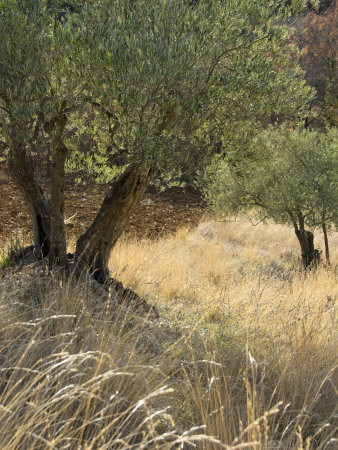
[[158, 214]]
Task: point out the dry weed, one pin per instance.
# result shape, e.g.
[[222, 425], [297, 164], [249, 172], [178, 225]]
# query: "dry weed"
[[244, 355], [239, 286]]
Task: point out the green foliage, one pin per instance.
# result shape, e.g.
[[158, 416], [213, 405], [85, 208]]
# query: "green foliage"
[[92, 157], [11, 250], [289, 176], [168, 80]]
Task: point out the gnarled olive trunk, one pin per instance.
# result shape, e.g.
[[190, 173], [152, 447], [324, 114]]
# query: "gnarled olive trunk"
[[21, 170], [310, 255], [94, 246], [58, 246]]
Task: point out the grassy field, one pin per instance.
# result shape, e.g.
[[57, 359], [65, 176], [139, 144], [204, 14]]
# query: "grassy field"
[[243, 356]]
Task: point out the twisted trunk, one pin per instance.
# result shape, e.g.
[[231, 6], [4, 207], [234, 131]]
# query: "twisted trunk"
[[310, 255], [58, 246], [21, 170], [94, 246]]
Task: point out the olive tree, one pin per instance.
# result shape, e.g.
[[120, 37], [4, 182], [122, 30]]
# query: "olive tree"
[[291, 177], [165, 83]]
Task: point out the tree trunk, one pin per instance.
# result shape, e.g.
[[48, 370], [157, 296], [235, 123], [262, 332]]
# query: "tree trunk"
[[58, 246], [93, 247], [326, 241], [309, 253], [38, 203]]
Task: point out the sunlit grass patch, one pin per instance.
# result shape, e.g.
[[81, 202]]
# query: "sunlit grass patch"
[[243, 355], [241, 285]]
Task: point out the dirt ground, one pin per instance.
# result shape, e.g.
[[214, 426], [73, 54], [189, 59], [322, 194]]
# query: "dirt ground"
[[158, 214]]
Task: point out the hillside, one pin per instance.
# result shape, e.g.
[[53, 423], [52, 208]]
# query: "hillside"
[[158, 214]]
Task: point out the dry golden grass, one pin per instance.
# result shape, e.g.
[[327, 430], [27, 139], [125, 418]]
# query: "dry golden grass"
[[74, 373], [244, 355], [223, 271], [242, 285]]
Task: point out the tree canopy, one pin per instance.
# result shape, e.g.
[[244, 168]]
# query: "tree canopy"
[[291, 177], [167, 75], [164, 83]]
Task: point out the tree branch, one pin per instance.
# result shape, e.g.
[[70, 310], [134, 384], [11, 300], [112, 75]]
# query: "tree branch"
[[230, 50], [4, 109]]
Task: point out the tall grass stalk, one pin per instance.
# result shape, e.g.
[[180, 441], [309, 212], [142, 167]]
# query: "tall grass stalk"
[[244, 355]]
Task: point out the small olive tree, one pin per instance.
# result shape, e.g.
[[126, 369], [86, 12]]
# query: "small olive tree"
[[163, 82], [289, 176]]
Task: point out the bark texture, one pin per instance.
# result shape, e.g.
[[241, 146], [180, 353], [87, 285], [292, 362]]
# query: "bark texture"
[[93, 247], [22, 173], [326, 241], [58, 246], [310, 255]]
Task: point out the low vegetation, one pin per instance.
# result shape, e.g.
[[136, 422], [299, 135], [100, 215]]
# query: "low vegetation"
[[243, 356]]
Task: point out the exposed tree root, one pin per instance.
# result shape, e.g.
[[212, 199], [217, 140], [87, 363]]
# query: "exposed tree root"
[[112, 289]]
